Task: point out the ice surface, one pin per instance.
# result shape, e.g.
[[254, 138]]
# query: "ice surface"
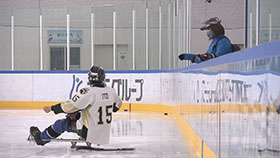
[[153, 135]]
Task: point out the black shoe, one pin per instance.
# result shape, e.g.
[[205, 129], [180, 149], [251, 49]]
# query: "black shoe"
[[35, 132]]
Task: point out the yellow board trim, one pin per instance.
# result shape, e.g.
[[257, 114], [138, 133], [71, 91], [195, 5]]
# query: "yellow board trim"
[[185, 109], [24, 104], [225, 108]]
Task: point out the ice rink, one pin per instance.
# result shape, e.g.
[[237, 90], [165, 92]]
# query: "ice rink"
[[153, 135]]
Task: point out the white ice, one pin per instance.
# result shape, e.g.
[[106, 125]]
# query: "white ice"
[[153, 135]]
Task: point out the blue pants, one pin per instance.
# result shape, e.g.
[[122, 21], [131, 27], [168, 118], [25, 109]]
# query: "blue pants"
[[55, 130]]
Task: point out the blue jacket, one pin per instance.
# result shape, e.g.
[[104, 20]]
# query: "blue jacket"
[[223, 47]]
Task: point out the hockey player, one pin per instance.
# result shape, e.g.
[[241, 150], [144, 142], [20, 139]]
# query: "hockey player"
[[96, 104]]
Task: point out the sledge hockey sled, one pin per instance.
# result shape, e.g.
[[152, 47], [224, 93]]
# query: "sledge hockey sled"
[[82, 147]]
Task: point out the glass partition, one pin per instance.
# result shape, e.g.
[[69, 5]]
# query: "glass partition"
[[26, 35], [5, 33], [140, 34], [103, 37], [118, 35], [257, 65], [80, 26], [124, 54], [249, 128], [262, 20], [251, 23], [54, 25], [162, 30], [270, 23]]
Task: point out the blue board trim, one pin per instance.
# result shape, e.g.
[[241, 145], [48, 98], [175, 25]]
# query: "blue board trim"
[[84, 71], [42, 72], [233, 72], [148, 71]]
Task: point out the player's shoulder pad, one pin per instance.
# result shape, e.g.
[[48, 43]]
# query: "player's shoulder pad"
[[84, 90]]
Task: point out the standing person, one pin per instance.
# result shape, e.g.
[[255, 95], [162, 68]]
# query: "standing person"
[[219, 46], [96, 104]]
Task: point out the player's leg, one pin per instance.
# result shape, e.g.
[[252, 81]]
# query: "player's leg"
[[53, 131], [83, 132]]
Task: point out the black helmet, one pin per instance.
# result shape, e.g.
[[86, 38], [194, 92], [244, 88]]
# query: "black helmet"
[[96, 75]]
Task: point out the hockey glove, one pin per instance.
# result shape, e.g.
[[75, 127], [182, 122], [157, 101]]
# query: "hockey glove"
[[181, 56], [47, 109], [203, 57]]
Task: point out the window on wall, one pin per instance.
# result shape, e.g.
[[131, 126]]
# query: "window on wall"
[[59, 59], [75, 58]]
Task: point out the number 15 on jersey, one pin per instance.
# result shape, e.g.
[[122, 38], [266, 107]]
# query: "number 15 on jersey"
[[108, 112]]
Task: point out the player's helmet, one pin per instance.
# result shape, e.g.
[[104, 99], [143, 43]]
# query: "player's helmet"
[[210, 21], [96, 75]]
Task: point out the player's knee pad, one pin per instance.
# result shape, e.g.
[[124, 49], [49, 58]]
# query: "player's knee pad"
[[60, 126], [52, 133]]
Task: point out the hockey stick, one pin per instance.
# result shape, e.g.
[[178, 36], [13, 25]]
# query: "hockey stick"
[[30, 138], [102, 149], [271, 150]]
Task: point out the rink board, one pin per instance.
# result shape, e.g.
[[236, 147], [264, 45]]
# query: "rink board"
[[192, 89]]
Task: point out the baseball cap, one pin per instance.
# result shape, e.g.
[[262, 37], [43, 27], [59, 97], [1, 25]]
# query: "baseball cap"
[[208, 22]]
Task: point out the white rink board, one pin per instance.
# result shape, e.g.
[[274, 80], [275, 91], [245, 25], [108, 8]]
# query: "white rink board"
[[137, 87], [227, 88], [52, 87], [147, 88], [16, 87], [61, 86]]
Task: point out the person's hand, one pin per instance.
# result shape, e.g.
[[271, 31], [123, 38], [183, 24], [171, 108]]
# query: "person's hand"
[[47, 109], [181, 56]]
